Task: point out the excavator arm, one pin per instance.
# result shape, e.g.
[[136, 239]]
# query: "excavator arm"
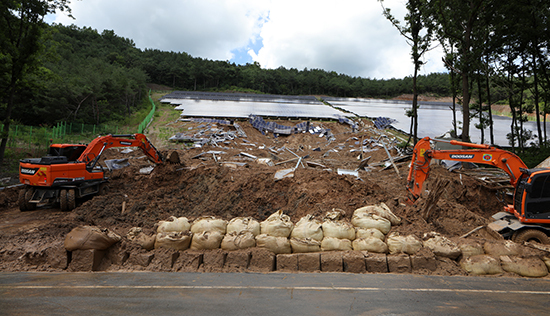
[[484, 154], [93, 152]]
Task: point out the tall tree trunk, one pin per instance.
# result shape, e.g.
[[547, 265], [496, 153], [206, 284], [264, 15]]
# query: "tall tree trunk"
[[536, 95], [415, 106], [481, 123], [6, 127], [490, 110]]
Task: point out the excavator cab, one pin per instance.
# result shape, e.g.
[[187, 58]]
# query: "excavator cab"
[[532, 195]]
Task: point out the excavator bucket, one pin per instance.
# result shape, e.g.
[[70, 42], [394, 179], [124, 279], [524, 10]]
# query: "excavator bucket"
[[174, 158]]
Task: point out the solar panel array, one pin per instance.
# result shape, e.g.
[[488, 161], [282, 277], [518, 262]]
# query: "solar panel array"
[[241, 105]]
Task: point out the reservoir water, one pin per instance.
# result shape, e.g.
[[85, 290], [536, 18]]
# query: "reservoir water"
[[434, 118]]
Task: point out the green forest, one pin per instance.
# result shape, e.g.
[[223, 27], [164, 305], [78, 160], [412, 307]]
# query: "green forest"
[[91, 77], [496, 52]]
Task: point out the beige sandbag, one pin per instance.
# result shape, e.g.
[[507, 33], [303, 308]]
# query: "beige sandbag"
[[441, 246], [332, 243], [407, 244], [381, 210], [206, 240], [277, 225], [209, 224], [308, 227], [239, 224], [370, 244], [136, 235], [528, 267], [274, 244], [335, 214], [471, 249], [481, 265], [369, 232], [367, 220], [338, 229], [90, 237], [242, 240], [173, 240], [502, 248], [300, 245], [174, 224]]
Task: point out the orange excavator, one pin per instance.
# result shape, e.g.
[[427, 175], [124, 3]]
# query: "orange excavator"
[[72, 171], [528, 218]]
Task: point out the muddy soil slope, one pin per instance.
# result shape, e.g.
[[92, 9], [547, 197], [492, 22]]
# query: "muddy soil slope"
[[219, 180]]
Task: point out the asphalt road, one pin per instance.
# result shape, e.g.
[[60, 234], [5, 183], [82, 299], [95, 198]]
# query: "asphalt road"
[[149, 293]]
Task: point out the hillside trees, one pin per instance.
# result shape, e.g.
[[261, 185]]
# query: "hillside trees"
[[419, 37], [21, 26]]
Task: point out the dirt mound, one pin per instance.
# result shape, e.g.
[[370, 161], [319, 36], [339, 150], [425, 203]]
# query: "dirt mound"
[[224, 181]]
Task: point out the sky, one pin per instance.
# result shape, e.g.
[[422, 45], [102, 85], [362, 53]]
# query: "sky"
[[347, 36]]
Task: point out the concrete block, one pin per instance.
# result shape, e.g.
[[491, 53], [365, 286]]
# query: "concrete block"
[[287, 262], [142, 259], [85, 260], [261, 260], [332, 261], [421, 262], [354, 262], [376, 262], [163, 259], [188, 261], [213, 261], [237, 261], [57, 256], [399, 263], [309, 262]]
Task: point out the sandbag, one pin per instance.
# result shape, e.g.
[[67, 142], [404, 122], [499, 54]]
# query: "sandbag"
[[335, 214], [332, 243], [471, 249], [90, 237], [274, 244], [441, 246], [370, 244], [338, 229], [481, 265], [174, 224], [308, 227], [300, 245], [369, 232], [367, 220], [403, 244], [209, 224], [502, 248], [136, 235], [239, 224], [206, 240], [381, 210], [528, 267], [277, 225], [242, 240], [173, 240]]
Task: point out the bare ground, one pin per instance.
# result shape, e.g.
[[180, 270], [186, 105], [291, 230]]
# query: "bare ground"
[[201, 186]]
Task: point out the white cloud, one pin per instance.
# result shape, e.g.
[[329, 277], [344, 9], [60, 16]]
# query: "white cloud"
[[206, 28], [347, 36]]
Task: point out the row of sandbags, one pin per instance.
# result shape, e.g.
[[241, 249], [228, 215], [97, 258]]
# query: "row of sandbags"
[[367, 231], [498, 257]]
